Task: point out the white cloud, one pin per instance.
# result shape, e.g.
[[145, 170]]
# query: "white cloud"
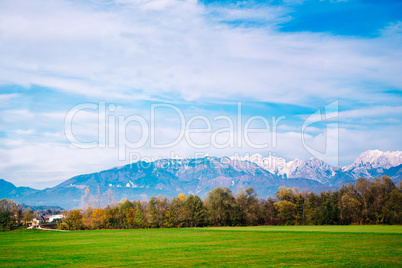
[[369, 112], [24, 132], [39, 164], [165, 48], [125, 51], [4, 98]]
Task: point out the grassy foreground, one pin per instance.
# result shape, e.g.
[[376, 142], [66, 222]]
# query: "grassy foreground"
[[324, 246]]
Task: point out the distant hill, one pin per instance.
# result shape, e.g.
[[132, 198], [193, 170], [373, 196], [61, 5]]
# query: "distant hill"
[[10, 191], [169, 177]]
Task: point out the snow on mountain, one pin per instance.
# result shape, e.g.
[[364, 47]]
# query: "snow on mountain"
[[313, 169], [369, 164], [275, 165], [377, 159], [208, 167], [373, 162], [169, 177]]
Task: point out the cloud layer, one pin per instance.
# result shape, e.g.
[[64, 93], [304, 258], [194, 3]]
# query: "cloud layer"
[[204, 58]]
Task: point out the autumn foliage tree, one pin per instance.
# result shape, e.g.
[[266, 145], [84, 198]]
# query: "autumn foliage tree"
[[367, 202]]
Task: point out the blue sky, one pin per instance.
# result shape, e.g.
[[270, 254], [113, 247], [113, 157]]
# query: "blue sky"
[[277, 58]]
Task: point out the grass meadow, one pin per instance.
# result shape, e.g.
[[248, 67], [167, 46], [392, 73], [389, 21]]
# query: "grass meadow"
[[264, 246]]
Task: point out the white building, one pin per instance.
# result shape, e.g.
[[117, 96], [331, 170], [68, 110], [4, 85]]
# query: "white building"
[[54, 217]]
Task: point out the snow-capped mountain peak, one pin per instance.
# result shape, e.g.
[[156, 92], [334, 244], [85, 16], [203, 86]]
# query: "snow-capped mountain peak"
[[318, 170], [376, 159], [273, 164], [314, 168], [168, 176]]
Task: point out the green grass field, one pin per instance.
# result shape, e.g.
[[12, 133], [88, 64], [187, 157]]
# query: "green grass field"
[[353, 246]]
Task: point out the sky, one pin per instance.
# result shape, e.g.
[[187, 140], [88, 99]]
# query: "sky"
[[89, 85]]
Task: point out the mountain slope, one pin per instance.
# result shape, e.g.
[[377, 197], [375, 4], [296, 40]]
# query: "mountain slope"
[[312, 169], [373, 162], [10, 191], [6, 188], [377, 159], [370, 164], [169, 177]]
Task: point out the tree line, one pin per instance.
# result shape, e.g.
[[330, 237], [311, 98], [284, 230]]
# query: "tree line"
[[13, 215], [366, 202]]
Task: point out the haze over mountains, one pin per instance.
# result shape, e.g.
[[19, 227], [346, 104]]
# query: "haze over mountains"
[[170, 177]]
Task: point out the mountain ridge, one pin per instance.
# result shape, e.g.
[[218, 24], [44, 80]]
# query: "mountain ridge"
[[170, 177]]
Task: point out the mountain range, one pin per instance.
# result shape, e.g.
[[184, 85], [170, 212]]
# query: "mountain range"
[[170, 177]]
